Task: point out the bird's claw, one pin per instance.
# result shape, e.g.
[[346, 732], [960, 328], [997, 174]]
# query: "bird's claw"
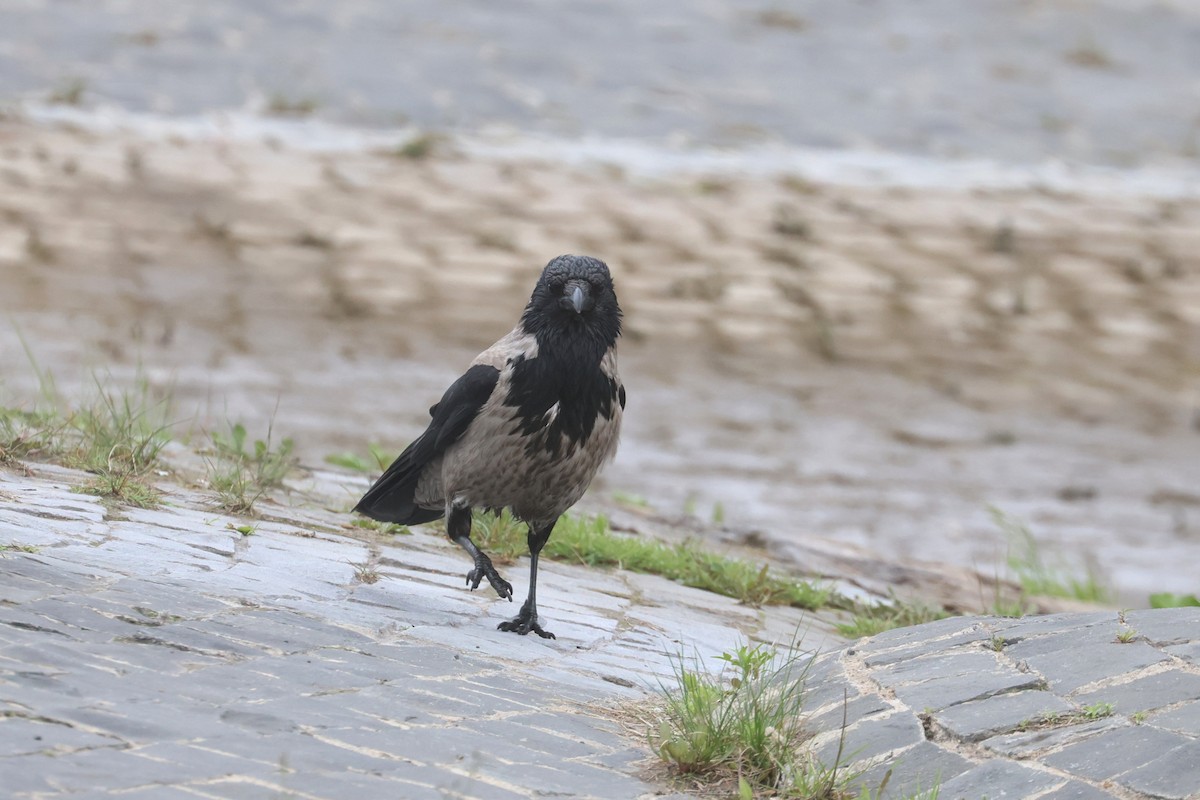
[[486, 570], [523, 624]]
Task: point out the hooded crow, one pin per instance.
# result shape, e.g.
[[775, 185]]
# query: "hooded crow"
[[526, 427]]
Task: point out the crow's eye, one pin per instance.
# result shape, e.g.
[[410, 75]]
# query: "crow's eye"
[[556, 288]]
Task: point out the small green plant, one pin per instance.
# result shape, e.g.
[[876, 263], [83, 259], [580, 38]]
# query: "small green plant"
[[365, 572], [117, 437], [70, 92], [872, 618], [282, 105], [376, 459], [419, 147], [33, 433], [747, 723], [17, 547], [589, 541], [741, 729], [390, 528], [1168, 600], [122, 487], [1015, 608], [996, 643], [1035, 575], [244, 530], [241, 476], [1137, 717], [630, 500], [1126, 635], [1054, 719]]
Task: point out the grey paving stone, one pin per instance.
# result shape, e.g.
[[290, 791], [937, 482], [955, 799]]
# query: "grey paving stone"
[[918, 769], [23, 736], [234, 667], [942, 692], [1147, 693], [1189, 652], [1042, 625], [836, 714], [523, 732], [1166, 626], [937, 665], [1031, 743], [998, 779], [871, 737], [238, 788], [561, 777], [825, 681], [153, 792], [974, 635], [1112, 752], [119, 770], [1072, 665], [920, 635], [1077, 790], [1175, 774], [980, 719], [1184, 719]]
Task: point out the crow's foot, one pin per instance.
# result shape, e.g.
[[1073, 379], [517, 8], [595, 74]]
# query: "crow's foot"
[[523, 623], [484, 569]]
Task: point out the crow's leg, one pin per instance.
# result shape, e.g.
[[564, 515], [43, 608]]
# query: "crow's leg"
[[527, 619], [458, 527]]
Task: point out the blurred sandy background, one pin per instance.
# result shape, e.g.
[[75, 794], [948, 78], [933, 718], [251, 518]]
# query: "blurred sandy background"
[[883, 264]]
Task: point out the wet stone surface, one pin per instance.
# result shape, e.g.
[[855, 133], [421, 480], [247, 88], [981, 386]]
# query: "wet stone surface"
[[162, 654], [1019, 708]]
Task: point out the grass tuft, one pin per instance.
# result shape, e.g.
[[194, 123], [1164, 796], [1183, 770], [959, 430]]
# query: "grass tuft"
[[872, 618], [376, 459], [1168, 600], [742, 722], [29, 434], [283, 105], [241, 475], [117, 436], [368, 524], [1035, 575], [589, 541], [365, 572], [739, 731], [69, 93], [1058, 719], [419, 147], [1125, 635]]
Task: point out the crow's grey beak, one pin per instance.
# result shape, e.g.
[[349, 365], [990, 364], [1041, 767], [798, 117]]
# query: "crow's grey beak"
[[577, 298]]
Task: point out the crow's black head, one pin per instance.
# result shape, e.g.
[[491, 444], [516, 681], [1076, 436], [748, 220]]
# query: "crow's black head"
[[574, 298]]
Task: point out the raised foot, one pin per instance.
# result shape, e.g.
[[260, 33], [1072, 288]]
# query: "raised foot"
[[484, 569], [523, 624]]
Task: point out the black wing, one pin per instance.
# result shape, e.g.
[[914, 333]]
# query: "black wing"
[[391, 498]]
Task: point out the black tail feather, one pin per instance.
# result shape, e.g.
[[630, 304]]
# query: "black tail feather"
[[392, 497]]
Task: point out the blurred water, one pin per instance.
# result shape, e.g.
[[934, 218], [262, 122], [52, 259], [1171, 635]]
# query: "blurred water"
[[1109, 82]]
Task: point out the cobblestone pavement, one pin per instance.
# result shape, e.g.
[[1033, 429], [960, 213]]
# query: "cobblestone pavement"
[[1088, 705], [162, 654]]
